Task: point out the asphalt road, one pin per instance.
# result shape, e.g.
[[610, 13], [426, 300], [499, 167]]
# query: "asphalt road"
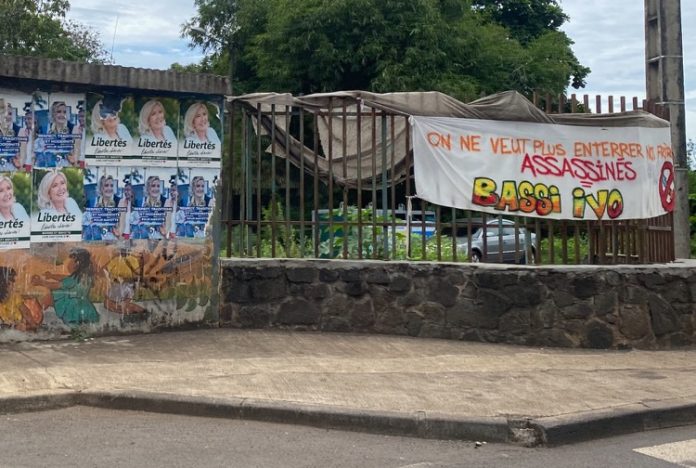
[[86, 437]]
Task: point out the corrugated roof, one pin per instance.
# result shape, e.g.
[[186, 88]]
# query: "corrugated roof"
[[112, 76]]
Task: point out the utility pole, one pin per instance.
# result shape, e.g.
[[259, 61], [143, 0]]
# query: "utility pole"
[[664, 68]]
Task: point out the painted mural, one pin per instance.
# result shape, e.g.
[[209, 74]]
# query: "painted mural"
[[102, 229]]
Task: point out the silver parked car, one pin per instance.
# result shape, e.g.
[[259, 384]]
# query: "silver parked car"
[[497, 232]]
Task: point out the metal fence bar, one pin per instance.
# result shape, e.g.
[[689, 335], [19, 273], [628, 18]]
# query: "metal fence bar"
[[385, 194], [359, 171], [274, 215], [316, 230], [302, 185], [330, 177], [228, 187], [344, 167], [373, 178]]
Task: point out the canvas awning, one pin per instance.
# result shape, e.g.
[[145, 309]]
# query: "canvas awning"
[[355, 145]]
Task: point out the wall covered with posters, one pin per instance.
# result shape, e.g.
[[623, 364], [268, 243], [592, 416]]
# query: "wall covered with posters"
[[105, 202]]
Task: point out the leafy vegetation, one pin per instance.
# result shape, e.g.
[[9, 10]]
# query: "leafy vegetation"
[[458, 47], [39, 28]]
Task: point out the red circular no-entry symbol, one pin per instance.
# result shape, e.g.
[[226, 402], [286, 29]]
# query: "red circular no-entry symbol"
[[666, 186]]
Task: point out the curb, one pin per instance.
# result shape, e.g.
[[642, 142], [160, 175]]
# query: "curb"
[[560, 430], [528, 432]]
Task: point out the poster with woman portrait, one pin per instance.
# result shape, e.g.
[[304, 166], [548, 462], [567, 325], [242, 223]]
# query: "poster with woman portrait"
[[156, 142], [15, 202], [16, 130], [107, 198], [59, 139], [109, 121], [156, 200], [197, 201], [58, 200], [200, 134]]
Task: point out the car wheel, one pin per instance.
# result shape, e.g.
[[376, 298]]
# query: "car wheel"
[[475, 256]]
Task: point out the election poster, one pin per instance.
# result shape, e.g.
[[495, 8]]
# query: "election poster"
[[57, 204], [156, 142], [17, 130], [109, 121], [60, 131], [108, 202], [200, 127], [15, 203], [197, 201], [544, 170], [156, 198]]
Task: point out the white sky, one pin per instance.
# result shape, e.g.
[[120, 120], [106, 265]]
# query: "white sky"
[[609, 38]]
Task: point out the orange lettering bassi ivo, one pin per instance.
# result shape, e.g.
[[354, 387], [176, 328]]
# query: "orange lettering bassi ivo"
[[514, 197]]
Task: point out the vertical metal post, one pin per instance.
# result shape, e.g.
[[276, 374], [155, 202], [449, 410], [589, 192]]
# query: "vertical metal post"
[[385, 211], [665, 85]]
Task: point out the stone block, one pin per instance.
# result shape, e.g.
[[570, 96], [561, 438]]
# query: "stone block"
[[524, 295], [351, 275], [301, 275], [400, 284], [498, 280], [562, 298], [317, 291], [543, 316], [492, 301], [381, 297], [598, 335], [663, 317], [434, 330], [442, 292], [298, 312], [584, 287], [410, 299], [414, 323], [606, 303], [337, 305], [652, 280], [236, 291], [468, 314], [377, 277], [634, 321], [515, 322], [553, 338], [254, 317], [581, 310], [632, 294], [431, 312], [335, 324], [328, 275], [362, 315], [354, 289], [268, 289], [677, 291], [391, 319]]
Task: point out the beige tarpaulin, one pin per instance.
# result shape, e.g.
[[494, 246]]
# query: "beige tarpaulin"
[[355, 145]]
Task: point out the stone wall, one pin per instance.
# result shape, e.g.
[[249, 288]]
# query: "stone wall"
[[646, 307]]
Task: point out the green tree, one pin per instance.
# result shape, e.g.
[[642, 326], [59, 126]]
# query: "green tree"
[[454, 46], [39, 28]]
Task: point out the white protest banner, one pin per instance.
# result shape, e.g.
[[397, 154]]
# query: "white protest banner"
[[544, 170]]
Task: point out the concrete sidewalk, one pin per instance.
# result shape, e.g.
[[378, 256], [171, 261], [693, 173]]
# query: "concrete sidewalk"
[[409, 386]]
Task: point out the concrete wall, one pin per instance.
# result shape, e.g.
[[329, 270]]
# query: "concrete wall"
[[645, 307]]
